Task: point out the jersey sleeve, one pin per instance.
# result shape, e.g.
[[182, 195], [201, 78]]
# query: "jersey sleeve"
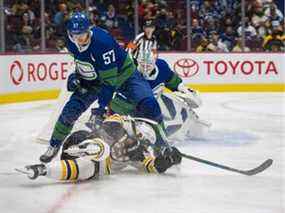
[[172, 80], [107, 61]]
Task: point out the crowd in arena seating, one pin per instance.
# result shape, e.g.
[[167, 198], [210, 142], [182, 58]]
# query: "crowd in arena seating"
[[216, 24]]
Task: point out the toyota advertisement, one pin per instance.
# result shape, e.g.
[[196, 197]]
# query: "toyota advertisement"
[[24, 73], [248, 68]]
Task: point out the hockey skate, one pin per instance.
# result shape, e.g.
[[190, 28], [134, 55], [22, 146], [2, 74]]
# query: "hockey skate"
[[49, 154], [33, 171]]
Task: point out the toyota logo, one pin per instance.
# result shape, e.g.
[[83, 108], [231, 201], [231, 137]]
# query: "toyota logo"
[[186, 67], [16, 72]]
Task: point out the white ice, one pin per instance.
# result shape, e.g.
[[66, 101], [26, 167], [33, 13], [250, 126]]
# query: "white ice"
[[247, 129]]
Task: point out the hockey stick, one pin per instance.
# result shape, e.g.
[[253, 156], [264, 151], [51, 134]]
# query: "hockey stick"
[[250, 172]]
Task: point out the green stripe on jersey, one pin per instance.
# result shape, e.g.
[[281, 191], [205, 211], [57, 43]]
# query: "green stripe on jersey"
[[109, 76], [60, 131], [173, 83], [115, 77], [126, 70], [123, 107]]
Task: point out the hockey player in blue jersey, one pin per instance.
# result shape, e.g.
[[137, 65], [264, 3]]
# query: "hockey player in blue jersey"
[[102, 68], [159, 75]]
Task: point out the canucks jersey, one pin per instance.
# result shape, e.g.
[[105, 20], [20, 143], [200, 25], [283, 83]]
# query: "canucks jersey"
[[102, 63], [163, 75]]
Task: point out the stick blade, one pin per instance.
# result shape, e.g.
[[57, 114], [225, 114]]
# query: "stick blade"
[[259, 169]]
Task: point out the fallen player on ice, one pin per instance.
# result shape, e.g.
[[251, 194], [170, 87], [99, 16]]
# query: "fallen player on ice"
[[121, 141]]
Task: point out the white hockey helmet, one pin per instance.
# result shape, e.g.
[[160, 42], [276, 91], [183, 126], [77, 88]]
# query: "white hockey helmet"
[[146, 65]]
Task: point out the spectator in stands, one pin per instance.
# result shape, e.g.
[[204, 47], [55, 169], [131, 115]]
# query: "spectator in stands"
[[27, 30], [209, 11], [60, 46], [274, 14], [227, 39], [238, 46], [203, 45], [213, 42], [259, 18], [225, 23], [19, 8], [60, 18], [249, 30], [109, 18], [275, 41], [150, 11], [210, 25], [197, 30], [210, 20]]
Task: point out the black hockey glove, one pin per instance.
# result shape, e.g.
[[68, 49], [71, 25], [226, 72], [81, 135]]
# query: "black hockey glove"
[[167, 158], [96, 118], [73, 82], [135, 151]]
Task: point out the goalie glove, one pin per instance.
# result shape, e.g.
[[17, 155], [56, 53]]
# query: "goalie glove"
[[191, 97]]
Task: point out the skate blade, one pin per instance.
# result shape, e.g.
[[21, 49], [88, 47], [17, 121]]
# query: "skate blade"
[[21, 171]]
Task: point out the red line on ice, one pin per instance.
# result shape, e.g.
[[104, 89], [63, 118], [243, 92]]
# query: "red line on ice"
[[62, 200]]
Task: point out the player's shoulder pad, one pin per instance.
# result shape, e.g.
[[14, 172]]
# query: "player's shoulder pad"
[[101, 40]]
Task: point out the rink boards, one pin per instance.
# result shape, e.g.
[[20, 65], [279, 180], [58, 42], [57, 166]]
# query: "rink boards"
[[41, 76]]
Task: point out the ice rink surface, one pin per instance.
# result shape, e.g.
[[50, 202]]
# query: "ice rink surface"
[[247, 128]]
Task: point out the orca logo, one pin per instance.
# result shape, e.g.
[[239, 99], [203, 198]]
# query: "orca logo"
[[186, 67], [16, 72]]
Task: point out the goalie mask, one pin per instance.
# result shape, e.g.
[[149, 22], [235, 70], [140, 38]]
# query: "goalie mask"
[[146, 65]]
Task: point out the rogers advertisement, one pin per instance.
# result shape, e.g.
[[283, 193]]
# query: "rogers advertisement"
[[217, 68], [22, 73]]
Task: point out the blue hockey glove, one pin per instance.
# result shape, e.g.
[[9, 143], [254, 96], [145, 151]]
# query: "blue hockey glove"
[[73, 82], [96, 118]]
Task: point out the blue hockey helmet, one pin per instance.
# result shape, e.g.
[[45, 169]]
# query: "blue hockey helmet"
[[78, 23]]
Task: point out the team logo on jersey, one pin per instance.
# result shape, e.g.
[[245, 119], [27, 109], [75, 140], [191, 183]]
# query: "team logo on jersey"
[[186, 67], [16, 72], [86, 70], [92, 57]]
